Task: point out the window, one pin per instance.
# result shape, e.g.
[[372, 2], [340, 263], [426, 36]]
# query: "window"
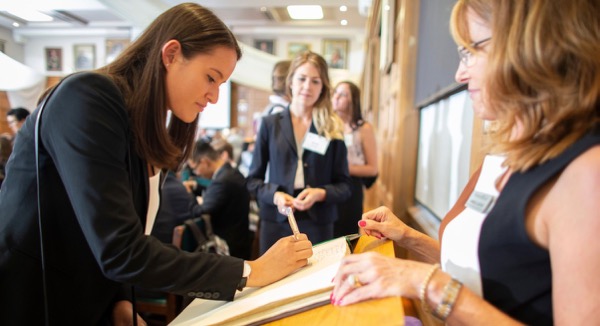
[[444, 150]]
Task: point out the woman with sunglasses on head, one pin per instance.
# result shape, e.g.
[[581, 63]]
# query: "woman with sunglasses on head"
[[533, 257], [104, 144]]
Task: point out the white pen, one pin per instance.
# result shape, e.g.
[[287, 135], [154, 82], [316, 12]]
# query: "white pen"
[[292, 221]]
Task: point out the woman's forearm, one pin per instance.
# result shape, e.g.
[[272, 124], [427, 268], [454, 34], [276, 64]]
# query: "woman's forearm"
[[425, 248]]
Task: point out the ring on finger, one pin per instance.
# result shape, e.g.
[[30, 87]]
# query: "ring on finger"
[[353, 281]]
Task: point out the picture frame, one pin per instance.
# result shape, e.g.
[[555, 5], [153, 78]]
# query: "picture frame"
[[84, 56], [295, 48], [265, 45], [335, 52], [114, 47], [54, 59]]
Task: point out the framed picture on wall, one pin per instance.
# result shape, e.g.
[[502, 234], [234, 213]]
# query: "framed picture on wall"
[[295, 48], [84, 56], [265, 45], [335, 53], [53, 59], [114, 47]]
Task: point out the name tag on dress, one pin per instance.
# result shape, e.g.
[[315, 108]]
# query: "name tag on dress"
[[315, 143], [481, 202]]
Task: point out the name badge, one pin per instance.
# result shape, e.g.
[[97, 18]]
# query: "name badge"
[[481, 202], [348, 139], [315, 143]]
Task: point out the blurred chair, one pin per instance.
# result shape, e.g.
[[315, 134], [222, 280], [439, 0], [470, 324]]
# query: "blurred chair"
[[168, 307]]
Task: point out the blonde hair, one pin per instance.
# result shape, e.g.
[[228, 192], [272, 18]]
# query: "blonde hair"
[[545, 78], [328, 124]]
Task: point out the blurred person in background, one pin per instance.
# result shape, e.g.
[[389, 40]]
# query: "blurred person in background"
[[359, 137], [306, 157]]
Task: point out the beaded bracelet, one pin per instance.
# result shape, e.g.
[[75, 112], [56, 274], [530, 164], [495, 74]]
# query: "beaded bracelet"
[[423, 289], [449, 296]]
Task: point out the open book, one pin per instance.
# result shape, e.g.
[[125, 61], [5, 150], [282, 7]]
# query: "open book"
[[306, 288]]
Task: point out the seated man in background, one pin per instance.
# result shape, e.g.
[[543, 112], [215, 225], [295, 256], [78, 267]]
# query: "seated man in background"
[[226, 199], [16, 118], [225, 151]]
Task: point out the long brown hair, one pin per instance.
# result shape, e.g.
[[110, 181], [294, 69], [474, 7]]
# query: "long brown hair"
[[140, 74], [543, 73], [357, 118], [328, 124]]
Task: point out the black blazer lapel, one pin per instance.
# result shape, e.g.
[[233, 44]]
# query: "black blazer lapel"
[[285, 123]]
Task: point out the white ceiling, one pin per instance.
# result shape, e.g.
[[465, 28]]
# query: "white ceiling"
[[244, 17]]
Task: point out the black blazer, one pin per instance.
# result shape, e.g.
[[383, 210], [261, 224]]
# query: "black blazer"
[[94, 202], [227, 201], [276, 147]]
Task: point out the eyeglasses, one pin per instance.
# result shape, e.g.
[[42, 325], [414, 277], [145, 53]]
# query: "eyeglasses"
[[466, 56]]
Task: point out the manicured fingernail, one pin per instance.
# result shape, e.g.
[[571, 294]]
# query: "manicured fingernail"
[[362, 223]]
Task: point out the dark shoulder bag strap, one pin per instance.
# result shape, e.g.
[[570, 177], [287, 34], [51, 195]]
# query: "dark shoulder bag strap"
[[207, 225], [197, 233]]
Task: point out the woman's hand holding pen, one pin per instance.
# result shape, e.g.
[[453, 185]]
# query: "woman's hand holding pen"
[[284, 257], [382, 223], [308, 197], [282, 201]]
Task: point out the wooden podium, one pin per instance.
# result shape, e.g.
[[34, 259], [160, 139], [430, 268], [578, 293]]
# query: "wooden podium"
[[388, 311]]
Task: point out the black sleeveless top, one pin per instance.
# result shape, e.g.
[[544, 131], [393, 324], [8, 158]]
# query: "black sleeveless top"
[[516, 273]]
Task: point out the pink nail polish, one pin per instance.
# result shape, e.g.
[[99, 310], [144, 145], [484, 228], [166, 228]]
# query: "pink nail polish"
[[362, 223]]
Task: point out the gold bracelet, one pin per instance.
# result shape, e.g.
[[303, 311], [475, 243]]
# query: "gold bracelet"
[[423, 289], [449, 296]]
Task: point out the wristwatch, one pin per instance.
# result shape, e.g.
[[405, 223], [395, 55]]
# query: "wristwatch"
[[245, 274]]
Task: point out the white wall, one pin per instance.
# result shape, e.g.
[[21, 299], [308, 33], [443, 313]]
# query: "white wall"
[[35, 52], [253, 70], [12, 48], [356, 51]]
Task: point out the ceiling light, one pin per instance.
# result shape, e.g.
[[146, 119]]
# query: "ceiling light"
[[343, 8], [15, 24], [344, 22], [305, 12], [29, 15]]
